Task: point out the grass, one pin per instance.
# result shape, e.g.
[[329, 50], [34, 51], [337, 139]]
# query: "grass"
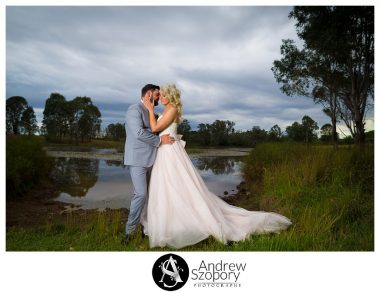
[[97, 143], [105, 234], [328, 194]]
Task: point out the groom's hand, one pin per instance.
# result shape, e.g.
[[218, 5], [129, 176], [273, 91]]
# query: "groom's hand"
[[166, 139]]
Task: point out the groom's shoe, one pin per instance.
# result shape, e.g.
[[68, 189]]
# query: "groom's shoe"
[[125, 240]]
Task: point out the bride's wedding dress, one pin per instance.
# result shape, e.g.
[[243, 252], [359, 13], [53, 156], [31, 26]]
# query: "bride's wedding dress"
[[181, 211]]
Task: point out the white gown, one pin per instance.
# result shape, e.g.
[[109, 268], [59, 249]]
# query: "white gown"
[[181, 211]]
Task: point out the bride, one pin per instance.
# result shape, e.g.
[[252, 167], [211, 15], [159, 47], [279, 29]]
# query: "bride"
[[180, 210]]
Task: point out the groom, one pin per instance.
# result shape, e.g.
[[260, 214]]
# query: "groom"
[[140, 152]]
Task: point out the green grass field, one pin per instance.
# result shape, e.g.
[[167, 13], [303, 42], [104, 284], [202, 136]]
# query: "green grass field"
[[328, 194]]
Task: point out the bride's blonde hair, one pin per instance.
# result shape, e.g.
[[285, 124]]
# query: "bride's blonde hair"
[[173, 94]]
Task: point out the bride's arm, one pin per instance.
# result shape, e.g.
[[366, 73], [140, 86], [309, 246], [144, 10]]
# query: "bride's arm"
[[164, 122]]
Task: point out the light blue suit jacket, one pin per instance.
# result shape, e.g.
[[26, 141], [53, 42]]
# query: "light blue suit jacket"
[[141, 144]]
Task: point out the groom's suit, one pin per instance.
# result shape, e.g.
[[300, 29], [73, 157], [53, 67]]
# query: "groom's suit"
[[140, 152]]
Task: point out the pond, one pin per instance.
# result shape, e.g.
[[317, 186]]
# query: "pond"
[[99, 183]]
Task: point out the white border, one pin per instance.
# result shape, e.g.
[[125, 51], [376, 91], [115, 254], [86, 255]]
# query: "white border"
[[124, 271]]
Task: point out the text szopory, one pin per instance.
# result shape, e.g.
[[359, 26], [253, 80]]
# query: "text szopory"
[[218, 272]]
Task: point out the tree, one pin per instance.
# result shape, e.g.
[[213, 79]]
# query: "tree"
[[29, 121], [305, 132], [55, 119], [15, 106], [258, 135], [220, 131], [204, 133], [309, 129], [275, 133], [326, 133], [73, 113], [116, 131], [308, 73], [295, 132], [86, 118]]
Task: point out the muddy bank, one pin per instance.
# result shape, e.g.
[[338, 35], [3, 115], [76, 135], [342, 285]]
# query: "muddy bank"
[[37, 208]]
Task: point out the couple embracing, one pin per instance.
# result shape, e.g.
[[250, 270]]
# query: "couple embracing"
[[170, 198]]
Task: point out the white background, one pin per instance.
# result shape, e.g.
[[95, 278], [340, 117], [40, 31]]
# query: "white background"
[[128, 271]]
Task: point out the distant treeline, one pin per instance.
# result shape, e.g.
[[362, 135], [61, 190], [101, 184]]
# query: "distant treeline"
[[78, 120], [223, 133]]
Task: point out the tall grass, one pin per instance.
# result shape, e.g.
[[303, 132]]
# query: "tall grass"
[[327, 193]]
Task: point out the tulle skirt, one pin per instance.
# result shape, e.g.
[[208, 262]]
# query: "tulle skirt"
[[181, 211]]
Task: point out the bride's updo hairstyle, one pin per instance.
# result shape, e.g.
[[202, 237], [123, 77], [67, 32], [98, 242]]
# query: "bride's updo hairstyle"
[[173, 94]]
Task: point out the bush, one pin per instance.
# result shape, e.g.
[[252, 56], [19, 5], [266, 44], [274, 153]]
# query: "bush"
[[27, 164]]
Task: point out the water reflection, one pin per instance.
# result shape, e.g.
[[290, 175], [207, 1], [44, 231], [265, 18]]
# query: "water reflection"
[[75, 176], [221, 174], [114, 163], [218, 165], [93, 183]]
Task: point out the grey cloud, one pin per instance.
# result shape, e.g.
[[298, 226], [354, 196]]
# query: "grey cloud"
[[220, 57]]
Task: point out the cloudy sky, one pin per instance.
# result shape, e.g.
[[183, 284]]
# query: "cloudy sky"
[[220, 58]]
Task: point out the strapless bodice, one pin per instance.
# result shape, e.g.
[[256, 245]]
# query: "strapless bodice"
[[171, 130]]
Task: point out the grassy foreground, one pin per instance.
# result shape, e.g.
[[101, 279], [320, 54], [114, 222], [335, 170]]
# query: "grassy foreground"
[[327, 193]]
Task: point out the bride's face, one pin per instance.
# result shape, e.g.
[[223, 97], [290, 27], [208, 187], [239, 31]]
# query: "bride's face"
[[164, 100]]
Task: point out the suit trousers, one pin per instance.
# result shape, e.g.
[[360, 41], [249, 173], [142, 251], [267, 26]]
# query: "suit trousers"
[[140, 179]]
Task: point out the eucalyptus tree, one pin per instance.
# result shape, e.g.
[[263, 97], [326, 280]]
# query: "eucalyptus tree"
[[326, 133], [304, 132], [15, 106], [55, 121], [335, 65], [116, 131], [275, 133], [220, 132], [84, 119], [29, 122]]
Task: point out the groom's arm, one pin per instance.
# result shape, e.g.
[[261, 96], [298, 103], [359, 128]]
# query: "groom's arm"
[[134, 120]]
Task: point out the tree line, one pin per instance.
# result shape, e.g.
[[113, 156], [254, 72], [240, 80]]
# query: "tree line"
[[223, 133], [79, 120]]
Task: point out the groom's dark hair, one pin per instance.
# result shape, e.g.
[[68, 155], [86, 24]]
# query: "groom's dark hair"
[[148, 87]]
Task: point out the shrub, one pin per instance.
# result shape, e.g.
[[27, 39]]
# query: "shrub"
[[27, 164]]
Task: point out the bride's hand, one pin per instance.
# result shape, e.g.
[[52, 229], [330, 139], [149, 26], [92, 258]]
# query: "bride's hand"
[[148, 103]]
